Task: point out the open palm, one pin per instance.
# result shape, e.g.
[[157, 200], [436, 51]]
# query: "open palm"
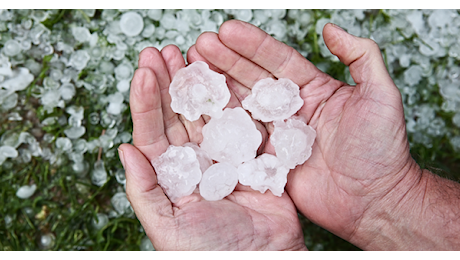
[[244, 220], [361, 153]]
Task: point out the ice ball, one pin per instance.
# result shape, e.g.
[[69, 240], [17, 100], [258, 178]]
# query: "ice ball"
[[233, 138], [272, 100], [197, 90], [218, 181], [131, 24], [178, 171], [293, 141], [264, 172]]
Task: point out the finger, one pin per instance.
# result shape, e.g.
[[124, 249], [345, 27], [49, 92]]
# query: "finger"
[[246, 72], [274, 56], [152, 207], [174, 61], [146, 112], [362, 55], [240, 90], [174, 130]]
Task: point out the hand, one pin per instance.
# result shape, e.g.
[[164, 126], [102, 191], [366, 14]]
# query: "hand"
[[360, 163], [245, 220]]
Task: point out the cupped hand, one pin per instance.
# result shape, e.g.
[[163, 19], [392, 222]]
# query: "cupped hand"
[[360, 161], [244, 220]]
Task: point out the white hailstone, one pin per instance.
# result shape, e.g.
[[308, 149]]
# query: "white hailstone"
[[233, 138], [123, 85], [131, 24], [63, 144], [243, 14], [120, 203], [197, 90], [124, 71], [9, 101], [7, 151], [148, 30], [81, 34], [79, 59], [99, 174], [178, 171], [168, 21], [218, 181], [272, 100], [47, 241], [413, 75], [120, 175], [11, 48], [100, 221], [155, 14], [264, 172], [67, 91], [75, 132], [293, 141], [26, 191], [20, 79]]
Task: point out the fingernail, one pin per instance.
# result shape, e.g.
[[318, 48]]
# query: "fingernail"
[[338, 27], [122, 159]]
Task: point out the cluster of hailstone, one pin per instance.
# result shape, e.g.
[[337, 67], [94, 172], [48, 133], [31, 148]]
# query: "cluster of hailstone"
[[231, 138]]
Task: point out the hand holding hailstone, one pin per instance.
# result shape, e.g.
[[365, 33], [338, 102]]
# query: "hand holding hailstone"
[[359, 181], [231, 137]]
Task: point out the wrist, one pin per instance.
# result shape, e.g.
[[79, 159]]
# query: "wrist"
[[422, 212], [384, 224]]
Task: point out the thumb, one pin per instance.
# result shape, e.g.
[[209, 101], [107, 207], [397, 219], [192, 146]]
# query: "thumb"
[[362, 55], [147, 198]]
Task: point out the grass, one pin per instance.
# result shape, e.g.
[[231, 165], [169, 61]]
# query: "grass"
[[66, 204]]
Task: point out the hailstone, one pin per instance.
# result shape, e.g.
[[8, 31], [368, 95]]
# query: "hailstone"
[[197, 90], [178, 171], [218, 181], [264, 172], [272, 100], [233, 138], [293, 141]]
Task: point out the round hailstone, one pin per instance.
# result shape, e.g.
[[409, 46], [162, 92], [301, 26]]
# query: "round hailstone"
[[218, 181], [178, 171], [67, 91], [264, 172], [120, 203], [81, 34], [26, 191], [197, 90], [131, 24], [75, 132], [272, 100], [11, 48], [146, 244], [101, 220], [233, 138], [79, 59], [123, 85], [292, 140]]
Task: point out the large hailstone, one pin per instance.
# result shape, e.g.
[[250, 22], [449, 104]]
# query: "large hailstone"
[[233, 138], [272, 100], [264, 172], [197, 90], [218, 181], [292, 140], [178, 171]]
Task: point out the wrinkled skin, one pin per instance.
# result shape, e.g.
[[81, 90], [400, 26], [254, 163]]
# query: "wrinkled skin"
[[359, 159]]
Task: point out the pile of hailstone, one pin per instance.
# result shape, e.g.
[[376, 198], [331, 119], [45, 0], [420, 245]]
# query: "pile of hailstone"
[[227, 154]]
